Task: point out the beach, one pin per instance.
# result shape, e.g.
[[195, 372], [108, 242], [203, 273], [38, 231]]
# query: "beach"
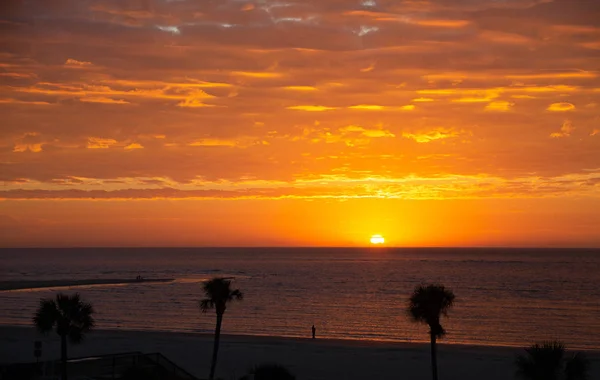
[[319, 359]]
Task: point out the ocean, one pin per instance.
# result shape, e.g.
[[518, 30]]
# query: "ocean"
[[504, 297]]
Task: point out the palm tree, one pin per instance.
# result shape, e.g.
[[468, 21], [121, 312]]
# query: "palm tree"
[[218, 294], [71, 317], [547, 361], [426, 305]]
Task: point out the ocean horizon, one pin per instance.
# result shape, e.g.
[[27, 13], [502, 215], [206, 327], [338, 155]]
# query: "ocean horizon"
[[505, 296]]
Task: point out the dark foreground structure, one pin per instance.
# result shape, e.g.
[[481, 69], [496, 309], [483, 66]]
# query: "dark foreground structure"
[[125, 366]]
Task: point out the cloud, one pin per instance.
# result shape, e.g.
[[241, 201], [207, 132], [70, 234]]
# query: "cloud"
[[560, 107], [501, 106], [100, 143], [555, 75], [442, 187], [169, 29], [310, 108], [368, 107], [35, 148], [133, 146], [429, 136], [257, 74], [595, 132], [73, 63], [565, 131], [367, 132], [24, 102], [219, 85], [240, 142], [103, 100], [300, 88]]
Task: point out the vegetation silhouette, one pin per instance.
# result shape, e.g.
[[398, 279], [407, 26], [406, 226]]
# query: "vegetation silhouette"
[[269, 372], [71, 317], [547, 361], [140, 373], [426, 305], [218, 294]]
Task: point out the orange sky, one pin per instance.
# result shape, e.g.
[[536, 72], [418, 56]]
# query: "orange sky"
[[313, 122]]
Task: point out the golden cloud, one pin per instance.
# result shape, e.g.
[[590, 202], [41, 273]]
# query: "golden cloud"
[[369, 107], [73, 63], [103, 100], [257, 74], [309, 108], [555, 75], [565, 131], [501, 106], [560, 107], [133, 146], [17, 101], [28, 147], [100, 143], [300, 88], [436, 134]]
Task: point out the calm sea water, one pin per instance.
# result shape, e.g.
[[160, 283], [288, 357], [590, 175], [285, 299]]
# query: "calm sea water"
[[504, 296]]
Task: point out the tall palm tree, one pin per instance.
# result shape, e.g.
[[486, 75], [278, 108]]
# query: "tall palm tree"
[[547, 361], [218, 294], [426, 305], [70, 316]]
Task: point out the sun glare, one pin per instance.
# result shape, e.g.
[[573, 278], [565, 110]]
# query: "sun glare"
[[377, 239]]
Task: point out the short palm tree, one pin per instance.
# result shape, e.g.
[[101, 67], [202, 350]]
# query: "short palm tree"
[[70, 316], [426, 305], [218, 294], [547, 361]]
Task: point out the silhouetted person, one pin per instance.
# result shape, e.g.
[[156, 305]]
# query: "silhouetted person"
[[314, 330]]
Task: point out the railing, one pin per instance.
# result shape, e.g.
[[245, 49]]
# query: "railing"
[[111, 366], [170, 365]]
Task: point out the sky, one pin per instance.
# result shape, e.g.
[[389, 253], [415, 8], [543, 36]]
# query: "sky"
[[299, 122]]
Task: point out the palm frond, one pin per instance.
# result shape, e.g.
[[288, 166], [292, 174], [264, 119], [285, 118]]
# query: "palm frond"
[[206, 305], [46, 315], [525, 367], [218, 293], [75, 335], [236, 295], [71, 316], [541, 361], [428, 303], [577, 367]]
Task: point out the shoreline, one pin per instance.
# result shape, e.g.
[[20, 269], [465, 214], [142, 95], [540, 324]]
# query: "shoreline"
[[7, 286], [350, 342]]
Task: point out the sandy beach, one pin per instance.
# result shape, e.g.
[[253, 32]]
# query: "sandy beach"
[[307, 359]]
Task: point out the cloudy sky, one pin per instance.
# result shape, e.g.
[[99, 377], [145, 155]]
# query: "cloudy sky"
[[299, 122]]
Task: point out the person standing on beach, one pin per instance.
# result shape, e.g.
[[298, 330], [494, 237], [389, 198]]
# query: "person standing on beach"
[[314, 330]]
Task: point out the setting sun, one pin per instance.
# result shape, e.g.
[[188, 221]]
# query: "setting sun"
[[377, 239]]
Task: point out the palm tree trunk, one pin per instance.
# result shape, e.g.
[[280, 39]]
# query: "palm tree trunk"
[[213, 365], [434, 372], [63, 356]]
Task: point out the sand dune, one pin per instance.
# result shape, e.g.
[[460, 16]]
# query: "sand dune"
[[306, 358]]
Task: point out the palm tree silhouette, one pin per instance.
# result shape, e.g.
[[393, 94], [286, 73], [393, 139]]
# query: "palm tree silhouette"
[[426, 305], [71, 317], [547, 361], [218, 293]]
